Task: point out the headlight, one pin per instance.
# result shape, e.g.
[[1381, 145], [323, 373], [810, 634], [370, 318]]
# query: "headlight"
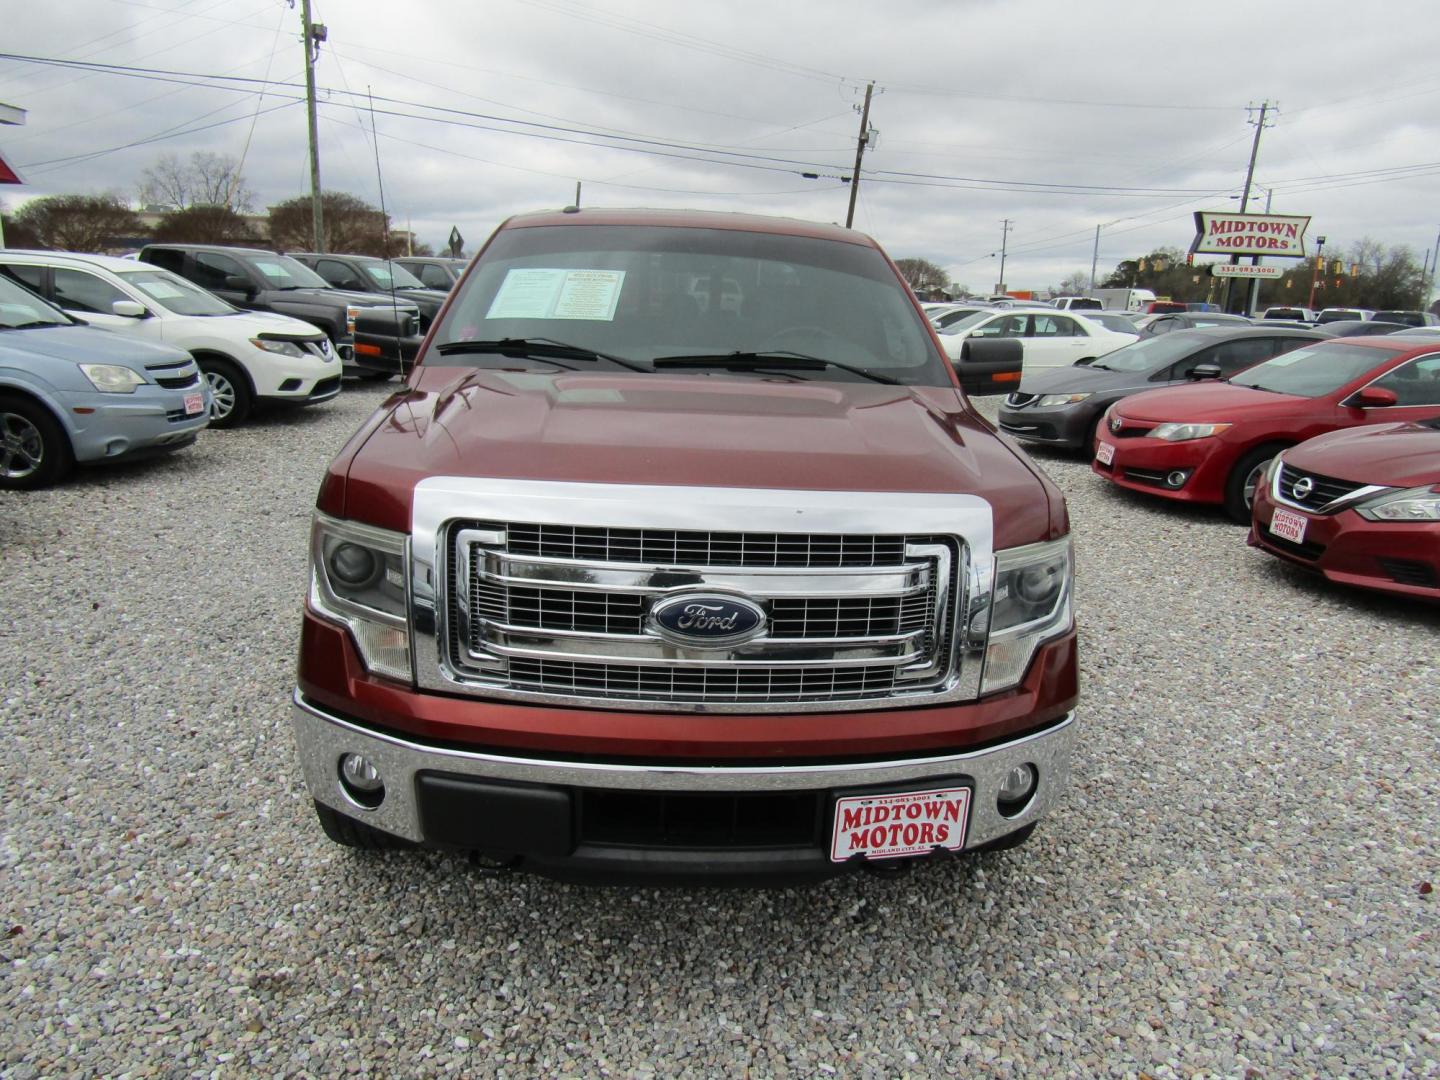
[[113, 378], [1182, 432], [357, 579], [1060, 399], [1030, 605], [1410, 504], [284, 348]]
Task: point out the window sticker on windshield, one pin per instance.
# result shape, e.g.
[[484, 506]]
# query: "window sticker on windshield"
[[270, 269], [1285, 359], [160, 290], [558, 294]]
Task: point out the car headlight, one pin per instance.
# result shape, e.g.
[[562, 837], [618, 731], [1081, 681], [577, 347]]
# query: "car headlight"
[[1408, 504], [1060, 399], [1030, 605], [113, 378], [284, 348], [1183, 432], [357, 579]]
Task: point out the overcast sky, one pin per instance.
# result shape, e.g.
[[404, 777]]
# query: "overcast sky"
[[1059, 116]]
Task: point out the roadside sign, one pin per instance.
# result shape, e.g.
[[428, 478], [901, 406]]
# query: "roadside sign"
[[1278, 235], [1245, 270]]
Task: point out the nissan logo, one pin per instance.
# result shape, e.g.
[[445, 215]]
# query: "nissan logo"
[[707, 620], [1302, 488]]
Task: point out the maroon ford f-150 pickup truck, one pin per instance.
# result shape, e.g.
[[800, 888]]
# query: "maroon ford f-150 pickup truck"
[[682, 554]]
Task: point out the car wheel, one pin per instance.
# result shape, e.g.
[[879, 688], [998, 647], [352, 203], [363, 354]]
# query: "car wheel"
[[1240, 486], [347, 832], [231, 395], [34, 449]]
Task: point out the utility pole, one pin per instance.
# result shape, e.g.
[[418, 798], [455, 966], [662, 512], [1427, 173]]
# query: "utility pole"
[[1254, 300], [1005, 227], [1094, 257], [859, 153], [1260, 126], [1430, 288], [313, 35]]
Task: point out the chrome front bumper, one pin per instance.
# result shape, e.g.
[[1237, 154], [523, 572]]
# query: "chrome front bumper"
[[323, 738]]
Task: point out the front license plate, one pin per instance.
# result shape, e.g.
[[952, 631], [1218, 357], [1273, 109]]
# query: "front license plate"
[[1105, 453], [1289, 526], [194, 404], [909, 823]]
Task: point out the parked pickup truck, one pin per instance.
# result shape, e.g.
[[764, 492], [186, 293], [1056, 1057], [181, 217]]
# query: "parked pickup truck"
[[617, 588], [376, 336]]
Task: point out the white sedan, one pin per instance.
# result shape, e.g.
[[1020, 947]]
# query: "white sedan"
[[1049, 338]]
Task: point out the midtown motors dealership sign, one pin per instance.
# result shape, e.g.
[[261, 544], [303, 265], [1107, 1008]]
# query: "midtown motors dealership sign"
[[1280, 235]]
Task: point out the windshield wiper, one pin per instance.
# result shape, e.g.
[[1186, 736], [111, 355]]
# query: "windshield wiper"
[[544, 348], [782, 360]]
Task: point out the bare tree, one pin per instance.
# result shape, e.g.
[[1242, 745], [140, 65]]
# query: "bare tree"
[[206, 179], [205, 225], [922, 275], [352, 226], [1074, 285], [79, 222]]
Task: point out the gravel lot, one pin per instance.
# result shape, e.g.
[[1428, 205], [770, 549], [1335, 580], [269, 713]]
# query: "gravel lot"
[[1234, 886]]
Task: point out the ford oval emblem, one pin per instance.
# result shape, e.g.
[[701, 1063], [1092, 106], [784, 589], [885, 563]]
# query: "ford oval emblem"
[[707, 620]]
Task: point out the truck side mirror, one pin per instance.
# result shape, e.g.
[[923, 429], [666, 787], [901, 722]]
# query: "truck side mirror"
[[990, 365], [236, 283]]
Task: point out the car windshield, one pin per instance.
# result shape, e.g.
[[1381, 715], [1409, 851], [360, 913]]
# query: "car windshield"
[[392, 276], [174, 293], [1313, 371], [690, 294], [975, 319], [1152, 353], [21, 308], [283, 272]]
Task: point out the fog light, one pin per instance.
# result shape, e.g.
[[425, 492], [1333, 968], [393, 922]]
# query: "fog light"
[[1176, 479], [361, 780], [1015, 789]]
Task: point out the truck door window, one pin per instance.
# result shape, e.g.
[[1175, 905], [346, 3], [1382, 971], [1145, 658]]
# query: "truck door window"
[[339, 275], [211, 270]]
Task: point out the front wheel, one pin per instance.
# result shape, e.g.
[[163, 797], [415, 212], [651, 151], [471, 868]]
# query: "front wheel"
[[35, 452], [231, 399], [1243, 479]]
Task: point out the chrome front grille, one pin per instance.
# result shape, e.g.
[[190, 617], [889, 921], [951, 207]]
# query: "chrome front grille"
[[565, 611], [1318, 494]]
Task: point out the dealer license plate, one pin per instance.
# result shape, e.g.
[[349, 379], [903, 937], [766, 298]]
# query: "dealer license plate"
[[1105, 453], [1289, 526], [194, 404], [907, 823]]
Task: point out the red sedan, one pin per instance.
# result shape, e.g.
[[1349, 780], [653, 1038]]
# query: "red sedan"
[[1361, 507], [1210, 442]]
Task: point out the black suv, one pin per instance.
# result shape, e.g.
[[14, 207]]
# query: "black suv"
[[375, 336], [367, 274]]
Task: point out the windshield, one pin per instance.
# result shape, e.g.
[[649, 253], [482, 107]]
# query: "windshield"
[[1313, 371], [174, 293], [392, 276], [1152, 353], [19, 307], [642, 292], [283, 272]]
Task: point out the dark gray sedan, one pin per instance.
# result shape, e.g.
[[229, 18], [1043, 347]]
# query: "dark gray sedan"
[[1061, 407]]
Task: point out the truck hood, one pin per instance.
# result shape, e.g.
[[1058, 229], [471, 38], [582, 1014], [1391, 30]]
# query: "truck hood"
[[1397, 455], [689, 430]]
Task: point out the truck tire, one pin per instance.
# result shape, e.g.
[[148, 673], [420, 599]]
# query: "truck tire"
[[347, 832], [35, 450], [230, 390]]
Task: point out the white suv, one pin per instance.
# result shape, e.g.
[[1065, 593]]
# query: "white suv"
[[247, 356]]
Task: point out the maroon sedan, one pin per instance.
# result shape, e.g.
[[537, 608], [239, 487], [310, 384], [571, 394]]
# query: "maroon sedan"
[[1211, 441], [1361, 507]]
